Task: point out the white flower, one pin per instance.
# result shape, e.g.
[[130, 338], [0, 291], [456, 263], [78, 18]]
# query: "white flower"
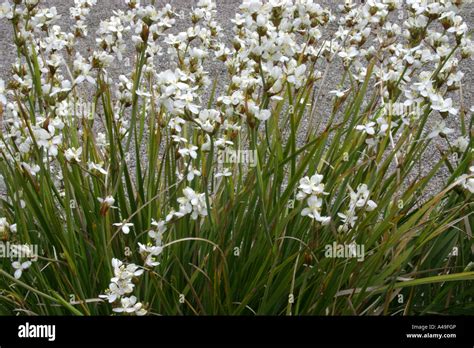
[[207, 119], [122, 272], [461, 143], [20, 267], [174, 214], [339, 93], [314, 210], [190, 151], [368, 128], [32, 2], [157, 232], [444, 105], [150, 252], [57, 90], [108, 201], [263, 115], [469, 185], [455, 79], [48, 141], [73, 154], [101, 59], [349, 54], [192, 174], [6, 10], [298, 76], [467, 181], [251, 6], [114, 292], [130, 305], [82, 69], [310, 186], [177, 139], [425, 87], [348, 219], [185, 101], [440, 129], [361, 198], [96, 167], [225, 173], [124, 226]]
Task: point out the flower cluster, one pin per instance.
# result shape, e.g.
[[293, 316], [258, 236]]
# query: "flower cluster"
[[79, 13], [312, 190], [192, 203], [275, 46], [375, 131], [359, 202], [151, 251], [121, 285], [415, 61]]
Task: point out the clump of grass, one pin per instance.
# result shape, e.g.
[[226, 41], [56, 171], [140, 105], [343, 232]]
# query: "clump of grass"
[[159, 193]]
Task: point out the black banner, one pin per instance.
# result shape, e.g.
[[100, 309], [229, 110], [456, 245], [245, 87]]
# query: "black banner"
[[137, 331]]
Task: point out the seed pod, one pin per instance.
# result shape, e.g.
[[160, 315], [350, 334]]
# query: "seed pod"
[[4, 235], [132, 4], [45, 124], [145, 33], [308, 258]]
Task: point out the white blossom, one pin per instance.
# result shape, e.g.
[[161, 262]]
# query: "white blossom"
[[20, 267]]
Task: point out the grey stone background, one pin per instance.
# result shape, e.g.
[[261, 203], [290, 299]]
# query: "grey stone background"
[[226, 10]]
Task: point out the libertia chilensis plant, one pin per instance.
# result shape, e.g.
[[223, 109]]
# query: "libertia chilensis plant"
[[172, 191]]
